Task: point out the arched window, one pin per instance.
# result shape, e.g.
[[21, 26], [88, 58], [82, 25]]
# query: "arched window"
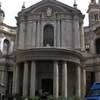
[[6, 46], [48, 36], [97, 45]]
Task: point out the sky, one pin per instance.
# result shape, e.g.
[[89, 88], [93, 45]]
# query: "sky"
[[12, 7]]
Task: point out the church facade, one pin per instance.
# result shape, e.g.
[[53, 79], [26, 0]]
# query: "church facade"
[[48, 46], [52, 53]]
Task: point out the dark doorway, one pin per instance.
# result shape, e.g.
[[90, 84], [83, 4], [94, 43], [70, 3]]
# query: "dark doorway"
[[9, 83], [90, 79], [47, 86]]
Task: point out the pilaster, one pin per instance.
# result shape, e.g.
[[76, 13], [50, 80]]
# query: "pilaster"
[[15, 89], [97, 76], [97, 73]]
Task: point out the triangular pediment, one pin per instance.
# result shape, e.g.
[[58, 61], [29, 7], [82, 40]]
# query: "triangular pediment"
[[48, 6]]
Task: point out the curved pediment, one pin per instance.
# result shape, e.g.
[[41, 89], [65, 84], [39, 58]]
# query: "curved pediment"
[[49, 7]]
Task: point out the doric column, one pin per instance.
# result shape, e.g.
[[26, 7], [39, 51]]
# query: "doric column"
[[14, 80], [84, 82], [64, 79], [25, 79], [3, 75], [33, 79], [56, 80], [78, 89], [15, 89]]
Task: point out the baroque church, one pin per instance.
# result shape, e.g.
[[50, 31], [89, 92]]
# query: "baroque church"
[[50, 51]]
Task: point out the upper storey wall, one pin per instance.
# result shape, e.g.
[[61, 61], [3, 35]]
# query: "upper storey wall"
[[65, 21]]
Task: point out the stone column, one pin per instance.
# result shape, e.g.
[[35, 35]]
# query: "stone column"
[[56, 80], [78, 89], [3, 75], [64, 79], [84, 82], [33, 79], [14, 80], [15, 89], [25, 79]]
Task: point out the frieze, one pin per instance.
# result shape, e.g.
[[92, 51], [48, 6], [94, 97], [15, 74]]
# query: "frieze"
[[46, 54]]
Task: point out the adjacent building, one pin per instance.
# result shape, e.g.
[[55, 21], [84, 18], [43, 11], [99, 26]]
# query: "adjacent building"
[[92, 43], [7, 61]]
